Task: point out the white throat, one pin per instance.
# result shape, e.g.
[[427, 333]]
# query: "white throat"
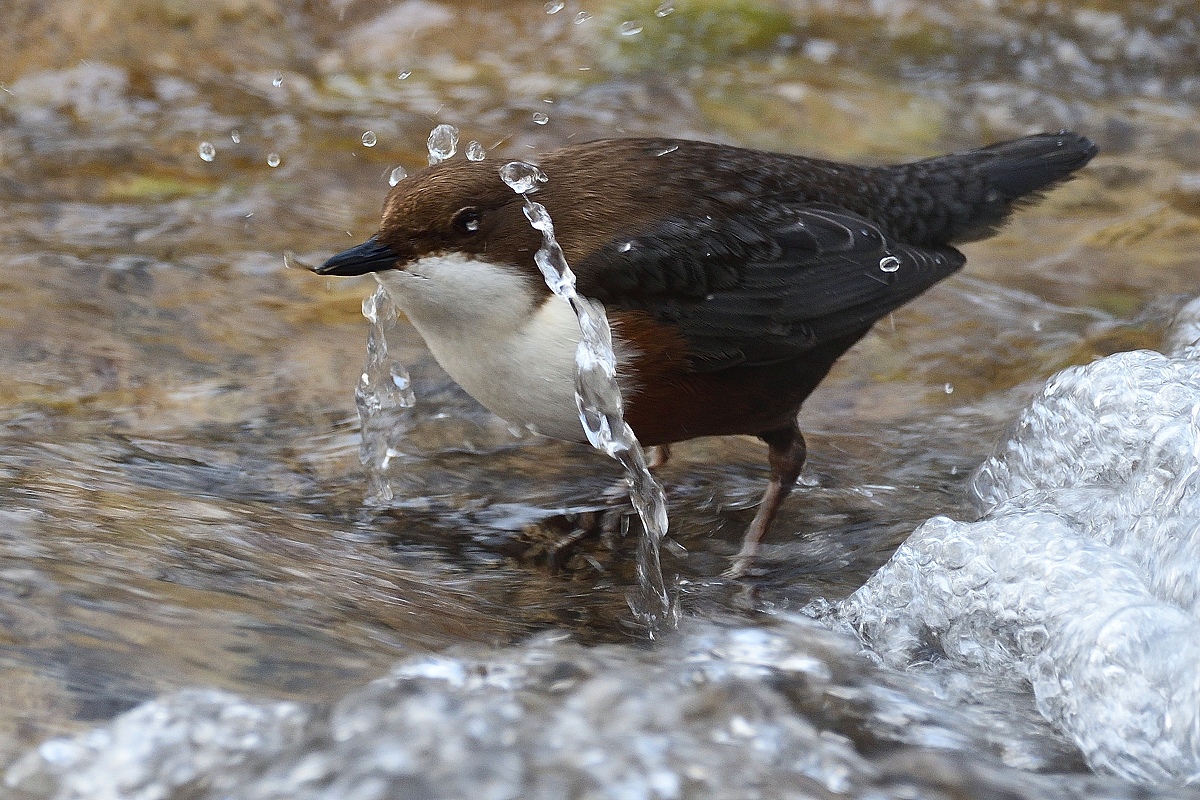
[[512, 349]]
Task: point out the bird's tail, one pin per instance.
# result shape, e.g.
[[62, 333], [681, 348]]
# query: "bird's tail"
[[971, 194]]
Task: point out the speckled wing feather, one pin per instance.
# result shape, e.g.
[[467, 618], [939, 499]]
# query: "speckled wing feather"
[[764, 288]]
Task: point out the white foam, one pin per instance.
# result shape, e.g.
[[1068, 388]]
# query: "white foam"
[[1084, 577]]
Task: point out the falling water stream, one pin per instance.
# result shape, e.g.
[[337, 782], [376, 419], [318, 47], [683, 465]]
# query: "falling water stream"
[[598, 398]]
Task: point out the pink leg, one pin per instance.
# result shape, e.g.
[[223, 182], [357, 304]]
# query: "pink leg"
[[786, 456]]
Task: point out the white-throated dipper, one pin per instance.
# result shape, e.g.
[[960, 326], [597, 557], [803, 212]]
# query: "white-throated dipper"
[[733, 278]]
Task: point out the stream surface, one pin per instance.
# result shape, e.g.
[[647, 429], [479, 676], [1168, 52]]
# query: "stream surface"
[[197, 602]]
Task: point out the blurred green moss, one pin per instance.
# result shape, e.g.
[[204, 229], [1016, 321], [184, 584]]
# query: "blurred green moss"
[[694, 32]]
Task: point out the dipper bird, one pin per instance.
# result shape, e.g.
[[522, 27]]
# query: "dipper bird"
[[733, 279]]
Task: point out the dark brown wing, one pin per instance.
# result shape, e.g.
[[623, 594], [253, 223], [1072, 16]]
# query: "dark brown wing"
[[765, 287]]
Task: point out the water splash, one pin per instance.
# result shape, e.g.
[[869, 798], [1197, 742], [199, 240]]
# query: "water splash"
[[1082, 578], [598, 399], [383, 392], [442, 143]]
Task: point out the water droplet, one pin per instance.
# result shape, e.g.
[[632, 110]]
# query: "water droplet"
[[582, 17], [539, 118], [236, 136], [948, 388], [554, 7], [625, 247], [277, 81], [404, 75], [889, 264], [472, 224], [475, 151], [207, 151], [521, 177], [273, 160], [667, 150], [397, 175], [629, 28], [665, 9], [442, 143], [369, 138]]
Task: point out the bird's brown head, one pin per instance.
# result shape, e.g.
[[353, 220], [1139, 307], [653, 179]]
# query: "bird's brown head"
[[595, 193], [459, 207]]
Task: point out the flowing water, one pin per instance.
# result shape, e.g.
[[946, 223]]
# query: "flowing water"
[[197, 600]]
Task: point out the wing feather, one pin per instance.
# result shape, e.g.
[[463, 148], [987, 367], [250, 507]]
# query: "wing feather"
[[764, 291]]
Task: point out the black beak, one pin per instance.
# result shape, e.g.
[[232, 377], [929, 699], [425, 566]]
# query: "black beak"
[[370, 256]]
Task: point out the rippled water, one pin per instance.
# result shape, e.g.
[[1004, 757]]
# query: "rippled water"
[[192, 587]]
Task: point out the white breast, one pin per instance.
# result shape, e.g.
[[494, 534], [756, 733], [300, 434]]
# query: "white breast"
[[511, 349]]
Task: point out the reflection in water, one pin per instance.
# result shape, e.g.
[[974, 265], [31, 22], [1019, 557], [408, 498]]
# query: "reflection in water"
[[180, 490]]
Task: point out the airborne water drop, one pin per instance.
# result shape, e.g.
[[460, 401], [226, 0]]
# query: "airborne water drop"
[[475, 151], [207, 151], [369, 139], [442, 143], [397, 175], [273, 160]]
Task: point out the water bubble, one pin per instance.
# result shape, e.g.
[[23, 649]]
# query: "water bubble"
[[889, 264], [273, 160], [442, 143], [207, 151], [369, 138], [236, 136], [629, 28], [521, 177], [397, 175], [539, 118], [555, 6], [582, 17], [475, 151], [665, 9], [277, 81]]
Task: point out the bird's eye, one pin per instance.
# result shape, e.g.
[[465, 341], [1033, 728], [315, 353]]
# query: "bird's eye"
[[466, 220]]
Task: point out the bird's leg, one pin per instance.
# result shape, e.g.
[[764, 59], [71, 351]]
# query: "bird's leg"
[[786, 456], [659, 455]]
